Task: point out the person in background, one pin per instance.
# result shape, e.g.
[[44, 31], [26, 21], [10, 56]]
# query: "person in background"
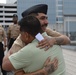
[[2, 47], [13, 31]]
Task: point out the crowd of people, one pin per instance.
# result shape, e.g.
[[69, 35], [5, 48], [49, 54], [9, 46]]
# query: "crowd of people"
[[26, 55]]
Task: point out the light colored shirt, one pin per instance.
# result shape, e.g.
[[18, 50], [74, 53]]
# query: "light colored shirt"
[[30, 58], [13, 31]]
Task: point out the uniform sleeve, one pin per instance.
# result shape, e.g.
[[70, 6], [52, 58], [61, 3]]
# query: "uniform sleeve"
[[20, 59], [18, 41], [52, 33], [17, 45]]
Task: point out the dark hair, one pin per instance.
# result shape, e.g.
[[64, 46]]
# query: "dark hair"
[[15, 15], [30, 24]]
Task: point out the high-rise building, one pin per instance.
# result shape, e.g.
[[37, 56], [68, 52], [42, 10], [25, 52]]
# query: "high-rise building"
[[6, 13]]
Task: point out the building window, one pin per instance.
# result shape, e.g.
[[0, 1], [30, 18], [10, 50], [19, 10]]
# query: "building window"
[[60, 2], [60, 8], [59, 19], [60, 14]]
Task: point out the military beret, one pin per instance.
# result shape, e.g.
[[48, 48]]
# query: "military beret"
[[14, 15], [40, 8]]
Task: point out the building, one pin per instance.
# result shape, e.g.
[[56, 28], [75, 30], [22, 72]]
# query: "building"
[[69, 14], [6, 13], [61, 14]]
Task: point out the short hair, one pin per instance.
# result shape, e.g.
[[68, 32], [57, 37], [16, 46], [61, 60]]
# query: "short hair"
[[30, 24], [15, 15]]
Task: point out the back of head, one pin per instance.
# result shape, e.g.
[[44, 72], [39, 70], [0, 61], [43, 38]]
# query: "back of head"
[[40, 8], [15, 15], [15, 18], [30, 24]]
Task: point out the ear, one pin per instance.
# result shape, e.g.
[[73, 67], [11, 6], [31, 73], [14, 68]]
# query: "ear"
[[26, 35], [29, 37]]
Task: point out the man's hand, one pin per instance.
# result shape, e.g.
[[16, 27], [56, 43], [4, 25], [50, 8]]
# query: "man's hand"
[[46, 43], [49, 67]]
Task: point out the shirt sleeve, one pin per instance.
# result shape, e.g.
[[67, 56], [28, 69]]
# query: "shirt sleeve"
[[21, 58], [19, 42], [52, 33], [17, 45]]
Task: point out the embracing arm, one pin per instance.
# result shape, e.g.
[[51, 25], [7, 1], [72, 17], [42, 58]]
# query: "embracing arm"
[[55, 39], [60, 39], [39, 72], [7, 62], [49, 67]]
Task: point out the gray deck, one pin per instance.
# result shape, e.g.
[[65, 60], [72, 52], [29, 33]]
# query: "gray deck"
[[70, 60]]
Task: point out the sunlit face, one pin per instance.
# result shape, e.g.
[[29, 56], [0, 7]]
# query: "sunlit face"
[[43, 20]]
